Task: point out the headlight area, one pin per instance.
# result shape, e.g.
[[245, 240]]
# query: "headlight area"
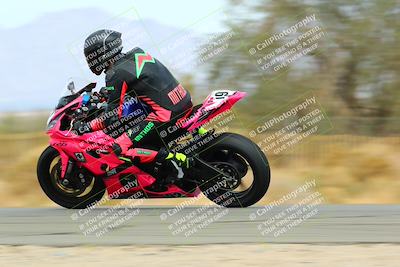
[[51, 124]]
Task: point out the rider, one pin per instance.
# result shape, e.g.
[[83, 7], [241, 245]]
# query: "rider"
[[137, 74]]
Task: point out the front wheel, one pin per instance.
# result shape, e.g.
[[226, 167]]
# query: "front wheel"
[[247, 169], [68, 196]]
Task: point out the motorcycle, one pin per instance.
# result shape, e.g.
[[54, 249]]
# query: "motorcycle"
[[76, 170]]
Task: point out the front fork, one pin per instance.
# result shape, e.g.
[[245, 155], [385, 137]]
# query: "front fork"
[[69, 171], [64, 162]]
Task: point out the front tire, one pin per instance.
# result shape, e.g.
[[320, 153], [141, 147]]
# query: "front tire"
[[241, 150], [46, 180]]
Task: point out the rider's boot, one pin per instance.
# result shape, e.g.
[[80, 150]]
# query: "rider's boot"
[[175, 163]]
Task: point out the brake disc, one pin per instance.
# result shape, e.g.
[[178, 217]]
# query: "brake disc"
[[232, 179]]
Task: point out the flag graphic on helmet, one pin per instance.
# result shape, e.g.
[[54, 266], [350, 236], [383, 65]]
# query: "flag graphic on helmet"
[[140, 60]]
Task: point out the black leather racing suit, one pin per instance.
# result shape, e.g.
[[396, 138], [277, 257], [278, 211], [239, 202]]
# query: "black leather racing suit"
[[138, 74]]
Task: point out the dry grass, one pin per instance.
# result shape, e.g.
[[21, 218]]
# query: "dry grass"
[[348, 169]]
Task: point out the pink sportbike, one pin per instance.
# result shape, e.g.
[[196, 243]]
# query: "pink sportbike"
[[75, 171]]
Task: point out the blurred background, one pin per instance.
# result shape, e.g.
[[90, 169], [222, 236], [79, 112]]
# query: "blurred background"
[[353, 73]]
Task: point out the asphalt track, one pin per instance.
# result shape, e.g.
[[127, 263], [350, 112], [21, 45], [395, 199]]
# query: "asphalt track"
[[344, 224]]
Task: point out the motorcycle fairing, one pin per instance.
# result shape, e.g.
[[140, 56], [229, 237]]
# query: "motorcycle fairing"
[[216, 103], [93, 150]]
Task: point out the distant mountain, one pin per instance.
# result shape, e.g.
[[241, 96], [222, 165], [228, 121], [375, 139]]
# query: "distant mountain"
[[38, 58]]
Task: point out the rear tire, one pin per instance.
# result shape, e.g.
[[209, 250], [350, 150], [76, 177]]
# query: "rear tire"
[[255, 158], [70, 202]]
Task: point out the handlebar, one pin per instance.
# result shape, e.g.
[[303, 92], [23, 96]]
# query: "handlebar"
[[87, 88], [90, 108]]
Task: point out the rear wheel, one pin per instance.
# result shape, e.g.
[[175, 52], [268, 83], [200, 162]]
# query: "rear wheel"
[[247, 169], [66, 195]]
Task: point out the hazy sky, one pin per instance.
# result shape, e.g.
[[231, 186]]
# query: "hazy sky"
[[172, 12], [40, 20]]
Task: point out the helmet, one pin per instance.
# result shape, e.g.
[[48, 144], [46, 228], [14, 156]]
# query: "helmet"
[[102, 48]]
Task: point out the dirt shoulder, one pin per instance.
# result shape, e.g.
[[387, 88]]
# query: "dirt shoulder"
[[282, 255]]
